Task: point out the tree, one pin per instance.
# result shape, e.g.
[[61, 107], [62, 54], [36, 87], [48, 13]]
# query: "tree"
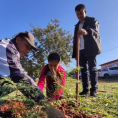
[[50, 39], [33, 62]]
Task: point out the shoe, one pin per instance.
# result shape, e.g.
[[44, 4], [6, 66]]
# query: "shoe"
[[84, 93], [93, 93]]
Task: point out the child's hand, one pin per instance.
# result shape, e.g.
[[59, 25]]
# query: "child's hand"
[[53, 71], [82, 32]]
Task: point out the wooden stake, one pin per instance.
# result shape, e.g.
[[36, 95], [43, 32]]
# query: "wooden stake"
[[77, 64]]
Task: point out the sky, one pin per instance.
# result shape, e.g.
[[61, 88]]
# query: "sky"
[[16, 16]]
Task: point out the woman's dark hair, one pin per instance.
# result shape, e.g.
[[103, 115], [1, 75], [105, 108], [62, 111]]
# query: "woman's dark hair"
[[79, 7], [54, 56]]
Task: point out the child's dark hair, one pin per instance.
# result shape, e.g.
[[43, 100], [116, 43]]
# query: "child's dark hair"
[[54, 56], [79, 7], [51, 57]]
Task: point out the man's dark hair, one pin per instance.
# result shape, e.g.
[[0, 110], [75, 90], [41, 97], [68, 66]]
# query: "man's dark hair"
[[22, 35], [54, 57], [14, 39], [18, 36], [79, 7]]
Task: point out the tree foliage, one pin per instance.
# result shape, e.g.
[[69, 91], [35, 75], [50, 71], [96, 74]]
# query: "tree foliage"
[[49, 39]]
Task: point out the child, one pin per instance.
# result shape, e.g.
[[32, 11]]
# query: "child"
[[55, 78]]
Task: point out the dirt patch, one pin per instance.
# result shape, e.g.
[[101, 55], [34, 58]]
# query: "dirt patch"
[[70, 111], [15, 109]]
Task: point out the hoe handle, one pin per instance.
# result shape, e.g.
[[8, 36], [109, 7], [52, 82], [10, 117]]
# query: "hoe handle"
[[77, 62]]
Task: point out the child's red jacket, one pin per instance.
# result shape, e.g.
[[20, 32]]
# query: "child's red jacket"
[[60, 80]]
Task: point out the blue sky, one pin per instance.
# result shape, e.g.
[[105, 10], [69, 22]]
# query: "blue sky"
[[16, 16]]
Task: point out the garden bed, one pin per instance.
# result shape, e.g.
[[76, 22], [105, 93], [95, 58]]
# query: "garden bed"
[[13, 109]]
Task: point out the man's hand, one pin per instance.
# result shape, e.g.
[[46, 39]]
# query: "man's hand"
[[82, 32]]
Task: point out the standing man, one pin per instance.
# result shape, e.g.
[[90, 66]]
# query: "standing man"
[[90, 45]]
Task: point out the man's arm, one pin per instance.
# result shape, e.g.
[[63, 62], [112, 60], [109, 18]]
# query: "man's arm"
[[91, 29], [92, 38], [94, 27]]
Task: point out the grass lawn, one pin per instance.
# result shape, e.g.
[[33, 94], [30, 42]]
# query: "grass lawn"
[[106, 103]]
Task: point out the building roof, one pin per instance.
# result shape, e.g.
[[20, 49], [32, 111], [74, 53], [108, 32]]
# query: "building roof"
[[109, 62]]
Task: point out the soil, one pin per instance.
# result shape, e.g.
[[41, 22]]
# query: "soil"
[[11, 109], [69, 110]]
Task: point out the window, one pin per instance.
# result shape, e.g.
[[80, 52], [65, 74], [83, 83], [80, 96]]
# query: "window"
[[105, 69], [112, 68], [116, 68], [114, 65]]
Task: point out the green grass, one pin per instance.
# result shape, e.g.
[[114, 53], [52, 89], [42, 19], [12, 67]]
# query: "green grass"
[[106, 102]]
